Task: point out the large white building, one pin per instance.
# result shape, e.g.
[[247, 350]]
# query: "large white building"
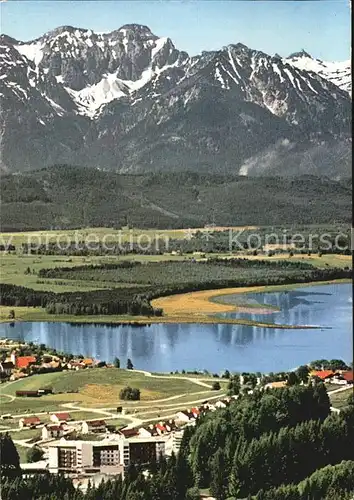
[[109, 456]]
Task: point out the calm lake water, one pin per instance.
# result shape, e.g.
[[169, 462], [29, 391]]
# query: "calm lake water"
[[170, 347]]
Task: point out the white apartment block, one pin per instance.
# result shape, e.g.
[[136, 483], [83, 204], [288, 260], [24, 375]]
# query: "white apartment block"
[[107, 456]]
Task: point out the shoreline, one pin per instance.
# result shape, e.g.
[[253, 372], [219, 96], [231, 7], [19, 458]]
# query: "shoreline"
[[189, 308], [201, 302]]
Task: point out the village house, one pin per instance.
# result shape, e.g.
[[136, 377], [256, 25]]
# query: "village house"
[[75, 365], [170, 425], [148, 431], [29, 422], [27, 394], [12, 358], [278, 384], [161, 429], [223, 403], [25, 361], [324, 375], [185, 416], [88, 362], [196, 411], [93, 426], [60, 418], [208, 407], [158, 429], [343, 378], [348, 377], [52, 431], [51, 364], [128, 433]]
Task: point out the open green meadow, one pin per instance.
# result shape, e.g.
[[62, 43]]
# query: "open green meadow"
[[95, 387], [104, 234]]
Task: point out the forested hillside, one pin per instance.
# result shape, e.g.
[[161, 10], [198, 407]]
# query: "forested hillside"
[[279, 444], [72, 197]]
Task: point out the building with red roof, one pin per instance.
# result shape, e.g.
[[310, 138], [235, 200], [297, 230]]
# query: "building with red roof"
[[323, 374], [161, 429], [25, 361], [348, 376], [52, 431], [60, 417], [128, 432], [29, 422], [195, 412], [94, 426]]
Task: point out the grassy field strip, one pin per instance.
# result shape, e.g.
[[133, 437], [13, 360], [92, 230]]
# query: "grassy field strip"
[[96, 388], [339, 397], [183, 400], [106, 382], [193, 380], [110, 235], [331, 260]]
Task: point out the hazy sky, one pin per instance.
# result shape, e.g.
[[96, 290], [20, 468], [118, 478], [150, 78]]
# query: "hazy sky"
[[320, 27]]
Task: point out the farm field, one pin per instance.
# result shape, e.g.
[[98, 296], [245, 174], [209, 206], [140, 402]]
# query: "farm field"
[[161, 396], [96, 387], [26, 434], [109, 235], [326, 260]]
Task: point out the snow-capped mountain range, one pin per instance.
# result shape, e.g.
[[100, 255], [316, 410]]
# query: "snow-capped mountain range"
[[131, 101], [338, 73]]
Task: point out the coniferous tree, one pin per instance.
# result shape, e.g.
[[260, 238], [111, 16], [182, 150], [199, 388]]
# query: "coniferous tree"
[[303, 373], [219, 476], [9, 458]]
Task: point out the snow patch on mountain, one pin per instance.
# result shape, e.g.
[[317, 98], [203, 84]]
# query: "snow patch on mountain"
[[33, 51], [90, 99], [338, 73]]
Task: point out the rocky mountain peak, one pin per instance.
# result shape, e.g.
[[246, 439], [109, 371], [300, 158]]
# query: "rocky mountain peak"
[[301, 53], [138, 29], [131, 100], [62, 29], [5, 39]]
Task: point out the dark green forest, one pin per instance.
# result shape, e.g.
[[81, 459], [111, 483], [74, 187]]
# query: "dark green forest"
[[65, 196], [282, 444]]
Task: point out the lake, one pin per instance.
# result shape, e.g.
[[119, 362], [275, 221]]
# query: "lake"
[[168, 347]]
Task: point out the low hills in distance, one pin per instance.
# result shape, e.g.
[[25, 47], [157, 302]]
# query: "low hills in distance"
[[65, 196]]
